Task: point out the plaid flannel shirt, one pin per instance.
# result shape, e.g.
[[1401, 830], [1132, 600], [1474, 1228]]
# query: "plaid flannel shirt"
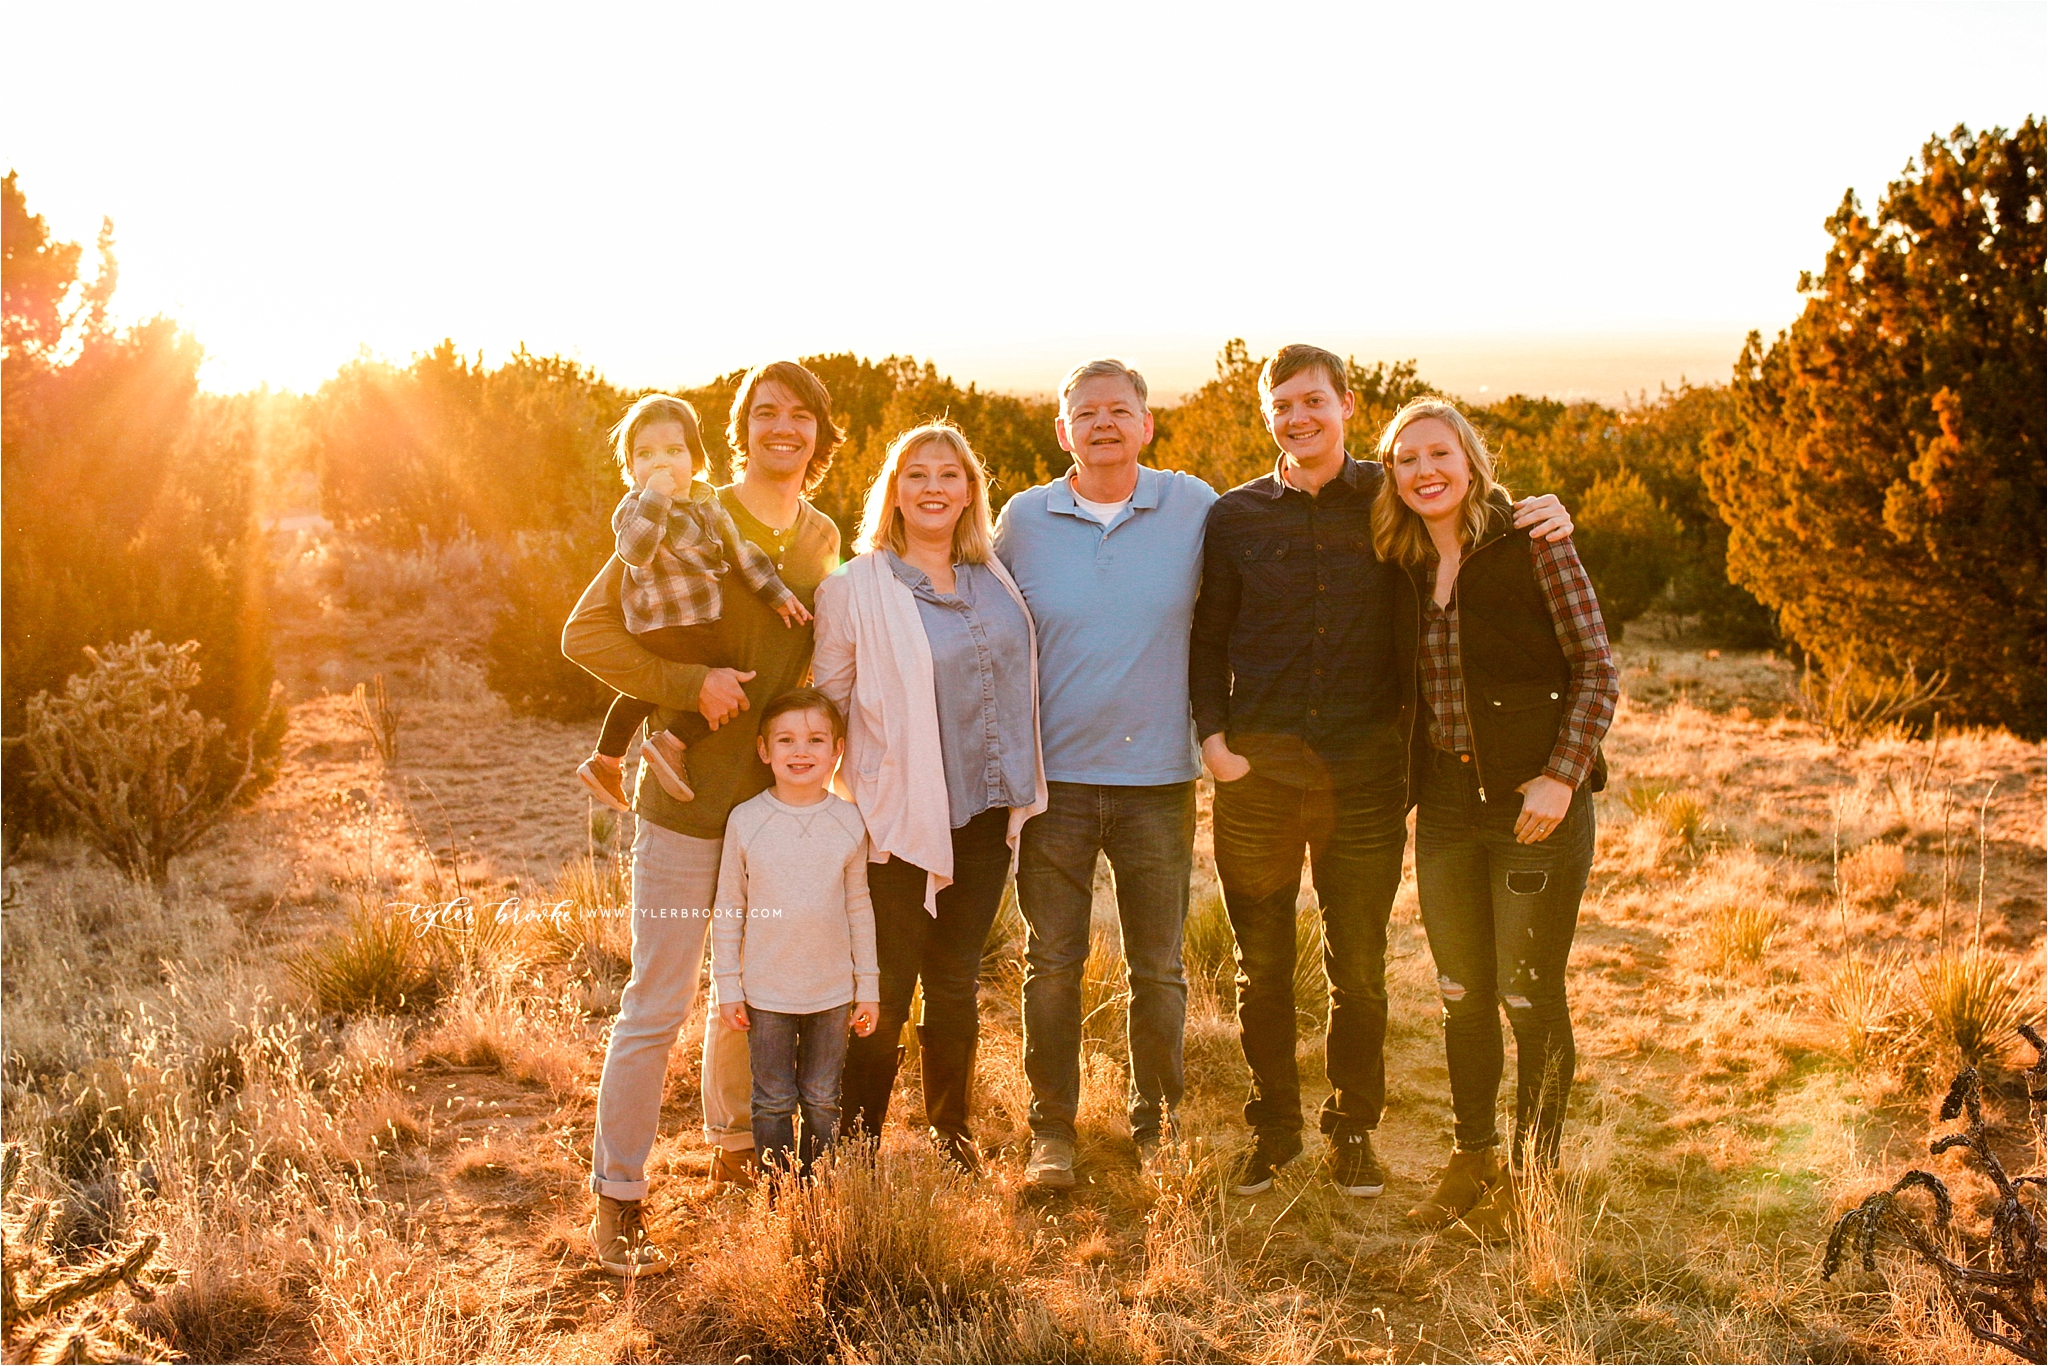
[[676, 550], [1575, 615]]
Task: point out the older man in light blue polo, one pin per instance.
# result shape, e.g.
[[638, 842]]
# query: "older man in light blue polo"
[[1109, 558]]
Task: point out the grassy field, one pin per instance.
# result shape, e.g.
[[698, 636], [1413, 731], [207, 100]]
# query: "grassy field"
[[358, 1143]]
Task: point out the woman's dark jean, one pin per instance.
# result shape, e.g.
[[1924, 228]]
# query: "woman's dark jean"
[[945, 951], [1500, 918], [796, 1061]]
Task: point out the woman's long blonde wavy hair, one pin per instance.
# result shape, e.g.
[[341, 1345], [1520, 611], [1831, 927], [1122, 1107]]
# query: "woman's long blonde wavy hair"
[[1398, 531], [881, 523]]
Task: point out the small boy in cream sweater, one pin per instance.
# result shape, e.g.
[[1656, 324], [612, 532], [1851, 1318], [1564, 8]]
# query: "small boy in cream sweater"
[[793, 933]]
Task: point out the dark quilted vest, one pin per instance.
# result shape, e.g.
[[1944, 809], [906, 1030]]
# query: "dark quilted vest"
[[1516, 675]]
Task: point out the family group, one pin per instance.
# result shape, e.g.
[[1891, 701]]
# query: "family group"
[[844, 766]]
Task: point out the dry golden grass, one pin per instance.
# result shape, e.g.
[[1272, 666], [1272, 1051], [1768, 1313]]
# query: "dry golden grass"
[[1872, 876], [1765, 985]]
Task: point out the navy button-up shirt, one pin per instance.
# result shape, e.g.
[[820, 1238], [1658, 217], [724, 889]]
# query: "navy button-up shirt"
[[1292, 656]]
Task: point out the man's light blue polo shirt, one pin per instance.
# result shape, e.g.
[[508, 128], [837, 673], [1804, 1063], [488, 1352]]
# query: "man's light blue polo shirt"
[[1114, 606]]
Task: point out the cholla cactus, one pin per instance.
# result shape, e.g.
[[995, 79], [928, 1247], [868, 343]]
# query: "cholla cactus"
[[52, 1312], [1991, 1279], [142, 774], [377, 716]]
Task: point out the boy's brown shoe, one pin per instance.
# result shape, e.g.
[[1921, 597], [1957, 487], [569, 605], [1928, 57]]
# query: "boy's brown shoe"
[[733, 1169], [601, 776], [663, 753], [619, 1240]]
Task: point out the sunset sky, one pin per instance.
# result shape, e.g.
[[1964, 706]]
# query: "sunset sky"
[[666, 192]]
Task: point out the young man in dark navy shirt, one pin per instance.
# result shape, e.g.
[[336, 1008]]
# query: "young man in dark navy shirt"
[[1303, 724]]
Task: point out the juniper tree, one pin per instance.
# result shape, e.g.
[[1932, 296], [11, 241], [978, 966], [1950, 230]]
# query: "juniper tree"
[[1882, 476]]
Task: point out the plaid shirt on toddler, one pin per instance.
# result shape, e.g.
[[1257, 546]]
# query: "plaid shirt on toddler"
[[676, 550]]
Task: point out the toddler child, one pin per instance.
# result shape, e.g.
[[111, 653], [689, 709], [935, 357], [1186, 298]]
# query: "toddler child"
[[793, 931], [678, 542]]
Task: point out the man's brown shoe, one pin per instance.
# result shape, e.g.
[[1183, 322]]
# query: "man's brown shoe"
[[733, 1168], [1464, 1184], [619, 1240]]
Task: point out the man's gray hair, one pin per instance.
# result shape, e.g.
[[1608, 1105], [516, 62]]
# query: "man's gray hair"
[[1106, 368]]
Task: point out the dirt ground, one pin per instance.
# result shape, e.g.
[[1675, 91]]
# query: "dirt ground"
[[1718, 1121]]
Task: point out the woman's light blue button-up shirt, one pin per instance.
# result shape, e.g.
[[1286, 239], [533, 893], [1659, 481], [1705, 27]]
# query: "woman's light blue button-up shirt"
[[981, 671]]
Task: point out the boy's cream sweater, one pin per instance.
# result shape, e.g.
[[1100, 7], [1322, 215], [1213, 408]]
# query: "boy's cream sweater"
[[794, 931]]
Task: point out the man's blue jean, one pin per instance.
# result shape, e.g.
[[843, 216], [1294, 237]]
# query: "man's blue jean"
[[1148, 832], [796, 1060]]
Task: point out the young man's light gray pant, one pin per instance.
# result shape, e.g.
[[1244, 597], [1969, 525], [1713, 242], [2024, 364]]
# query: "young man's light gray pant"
[[675, 879]]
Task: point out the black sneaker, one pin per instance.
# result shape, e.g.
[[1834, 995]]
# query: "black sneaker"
[[1353, 1166], [1272, 1152]]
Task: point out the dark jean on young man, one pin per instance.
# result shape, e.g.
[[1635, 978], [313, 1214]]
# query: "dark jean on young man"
[[796, 1061], [945, 951], [1148, 833], [1500, 918], [1354, 833]]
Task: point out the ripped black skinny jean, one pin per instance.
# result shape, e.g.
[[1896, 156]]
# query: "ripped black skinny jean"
[[1500, 918]]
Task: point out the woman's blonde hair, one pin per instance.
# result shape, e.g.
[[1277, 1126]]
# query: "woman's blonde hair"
[[1398, 532], [881, 523]]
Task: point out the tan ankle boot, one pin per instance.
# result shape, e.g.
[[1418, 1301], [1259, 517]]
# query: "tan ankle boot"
[[619, 1240], [1464, 1184], [1495, 1217]]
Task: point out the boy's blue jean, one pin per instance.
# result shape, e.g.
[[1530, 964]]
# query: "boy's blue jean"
[[796, 1061]]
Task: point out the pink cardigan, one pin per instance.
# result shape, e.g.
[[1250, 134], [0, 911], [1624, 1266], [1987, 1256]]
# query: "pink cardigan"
[[873, 660]]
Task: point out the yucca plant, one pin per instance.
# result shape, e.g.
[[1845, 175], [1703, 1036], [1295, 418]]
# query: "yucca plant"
[[1737, 932], [381, 965], [1642, 796], [1311, 981], [1209, 953], [1970, 1002], [1863, 997], [1682, 815]]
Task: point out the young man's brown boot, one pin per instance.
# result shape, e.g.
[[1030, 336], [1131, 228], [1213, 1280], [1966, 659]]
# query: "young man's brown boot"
[[619, 1240]]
